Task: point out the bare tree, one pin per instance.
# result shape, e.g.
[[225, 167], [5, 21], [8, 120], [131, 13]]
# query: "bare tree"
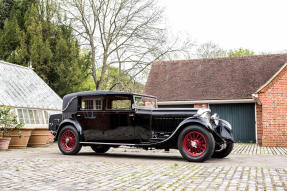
[[210, 50], [126, 34]]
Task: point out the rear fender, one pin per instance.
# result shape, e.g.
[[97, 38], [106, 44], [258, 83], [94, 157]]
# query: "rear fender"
[[69, 122]]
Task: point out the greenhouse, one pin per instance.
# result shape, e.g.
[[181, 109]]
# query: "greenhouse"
[[30, 98]]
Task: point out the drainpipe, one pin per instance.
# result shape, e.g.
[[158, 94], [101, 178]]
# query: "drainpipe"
[[255, 97]]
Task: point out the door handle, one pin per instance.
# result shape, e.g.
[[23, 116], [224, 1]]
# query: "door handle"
[[131, 115]]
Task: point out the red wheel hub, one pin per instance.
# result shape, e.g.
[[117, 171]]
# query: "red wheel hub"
[[68, 140], [194, 143]]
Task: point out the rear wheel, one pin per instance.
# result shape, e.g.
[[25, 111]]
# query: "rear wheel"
[[69, 140], [224, 152], [100, 148], [196, 144]]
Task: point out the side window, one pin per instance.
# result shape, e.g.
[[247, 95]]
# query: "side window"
[[91, 103], [118, 102], [20, 115]]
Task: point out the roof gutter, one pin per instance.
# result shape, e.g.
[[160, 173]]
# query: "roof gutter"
[[255, 97], [206, 101]]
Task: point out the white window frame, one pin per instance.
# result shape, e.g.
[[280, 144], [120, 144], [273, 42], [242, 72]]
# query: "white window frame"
[[94, 99]]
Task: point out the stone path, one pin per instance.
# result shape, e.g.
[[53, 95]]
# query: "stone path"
[[254, 149], [134, 169]]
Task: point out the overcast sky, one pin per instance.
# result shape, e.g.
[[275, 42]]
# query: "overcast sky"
[[259, 25]]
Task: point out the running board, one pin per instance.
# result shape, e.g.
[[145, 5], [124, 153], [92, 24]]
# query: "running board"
[[114, 144]]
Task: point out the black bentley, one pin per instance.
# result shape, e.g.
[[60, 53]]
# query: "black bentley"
[[104, 119]]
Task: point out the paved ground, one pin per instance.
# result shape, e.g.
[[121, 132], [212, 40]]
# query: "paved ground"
[[249, 167]]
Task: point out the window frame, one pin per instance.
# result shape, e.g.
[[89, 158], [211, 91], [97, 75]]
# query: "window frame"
[[130, 98], [94, 99]]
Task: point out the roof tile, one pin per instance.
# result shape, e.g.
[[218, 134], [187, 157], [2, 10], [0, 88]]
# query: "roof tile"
[[217, 78]]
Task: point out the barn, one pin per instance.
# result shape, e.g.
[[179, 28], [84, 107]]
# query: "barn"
[[250, 92]]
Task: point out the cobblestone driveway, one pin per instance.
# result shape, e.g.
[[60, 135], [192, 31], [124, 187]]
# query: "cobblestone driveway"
[[133, 169]]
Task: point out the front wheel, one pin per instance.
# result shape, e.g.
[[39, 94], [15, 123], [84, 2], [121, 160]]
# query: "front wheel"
[[196, 144], [69, 140], [224, 152]]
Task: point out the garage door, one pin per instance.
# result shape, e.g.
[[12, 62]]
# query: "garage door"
[[242, 118]]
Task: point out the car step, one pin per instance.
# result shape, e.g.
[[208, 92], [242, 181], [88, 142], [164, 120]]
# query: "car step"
[[114, 144]]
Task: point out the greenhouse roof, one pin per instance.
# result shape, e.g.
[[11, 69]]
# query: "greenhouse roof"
[[21, 87]]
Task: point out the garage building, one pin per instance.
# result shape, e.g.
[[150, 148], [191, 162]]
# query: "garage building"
[[250, 92]]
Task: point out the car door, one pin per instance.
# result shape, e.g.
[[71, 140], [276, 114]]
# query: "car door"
[[90, 116], [119, 117]]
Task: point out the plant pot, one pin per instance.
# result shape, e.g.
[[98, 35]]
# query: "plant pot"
[[19, 142], [4, 143], [39, 137]]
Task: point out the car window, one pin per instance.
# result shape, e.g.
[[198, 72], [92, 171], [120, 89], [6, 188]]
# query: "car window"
[[91, 103], [121, 104], [118, 102]]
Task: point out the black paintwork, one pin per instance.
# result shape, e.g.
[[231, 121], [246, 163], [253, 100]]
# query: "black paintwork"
[[157, 127]]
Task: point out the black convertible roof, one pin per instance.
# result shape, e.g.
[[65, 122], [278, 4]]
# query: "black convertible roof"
[[102, 92], [70, 97]]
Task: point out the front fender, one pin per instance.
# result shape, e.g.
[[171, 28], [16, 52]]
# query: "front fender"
[[69, 122], [195, 120], [189, 121], [224, 130]]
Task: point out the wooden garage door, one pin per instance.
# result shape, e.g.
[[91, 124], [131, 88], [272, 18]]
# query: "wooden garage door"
[[242, 118]]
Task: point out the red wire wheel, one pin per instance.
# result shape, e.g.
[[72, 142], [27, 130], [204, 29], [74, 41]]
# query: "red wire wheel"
[[68, 140], [194, 143]]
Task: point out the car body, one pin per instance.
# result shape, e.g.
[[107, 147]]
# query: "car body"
[[104, 119]]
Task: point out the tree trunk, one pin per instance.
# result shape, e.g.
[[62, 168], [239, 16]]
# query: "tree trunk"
[[94, 67], [103, 72]]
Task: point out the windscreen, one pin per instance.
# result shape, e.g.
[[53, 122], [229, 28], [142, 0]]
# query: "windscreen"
[[145, 102]]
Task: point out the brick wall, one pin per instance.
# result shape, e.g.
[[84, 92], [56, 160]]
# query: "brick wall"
[[273, 112]]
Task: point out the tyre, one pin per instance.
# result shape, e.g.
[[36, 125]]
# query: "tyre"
[[69, 140], [224, 152], [100, 148], [195, 144]]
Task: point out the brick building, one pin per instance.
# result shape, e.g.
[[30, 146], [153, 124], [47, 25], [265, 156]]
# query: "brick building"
[[250, 92]]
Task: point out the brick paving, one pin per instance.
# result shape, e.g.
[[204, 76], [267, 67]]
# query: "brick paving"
[[134, 169], [239, 149], [255, 149]]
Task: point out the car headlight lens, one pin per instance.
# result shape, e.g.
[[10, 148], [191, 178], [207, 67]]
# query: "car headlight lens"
[[215, 118], [204, 113]]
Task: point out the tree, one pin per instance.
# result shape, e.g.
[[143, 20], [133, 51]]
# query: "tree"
[[210, 50], [126, 84], [240, 52], [5, 9], [125, 34], [40, 38]]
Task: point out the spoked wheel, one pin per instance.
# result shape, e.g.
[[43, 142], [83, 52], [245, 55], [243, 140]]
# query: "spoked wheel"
[[68, 140], [100, 148], [196, 144]]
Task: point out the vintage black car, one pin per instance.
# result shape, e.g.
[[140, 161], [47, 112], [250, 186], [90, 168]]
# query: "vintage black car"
[[104, 119]]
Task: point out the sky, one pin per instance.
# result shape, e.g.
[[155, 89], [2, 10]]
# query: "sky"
[[258, 25]]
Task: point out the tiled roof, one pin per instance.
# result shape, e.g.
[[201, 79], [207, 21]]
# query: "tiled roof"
[[212, 79], [21, 87]]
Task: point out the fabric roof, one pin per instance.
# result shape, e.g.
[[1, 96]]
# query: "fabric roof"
[[212, 79], [21, 87]]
